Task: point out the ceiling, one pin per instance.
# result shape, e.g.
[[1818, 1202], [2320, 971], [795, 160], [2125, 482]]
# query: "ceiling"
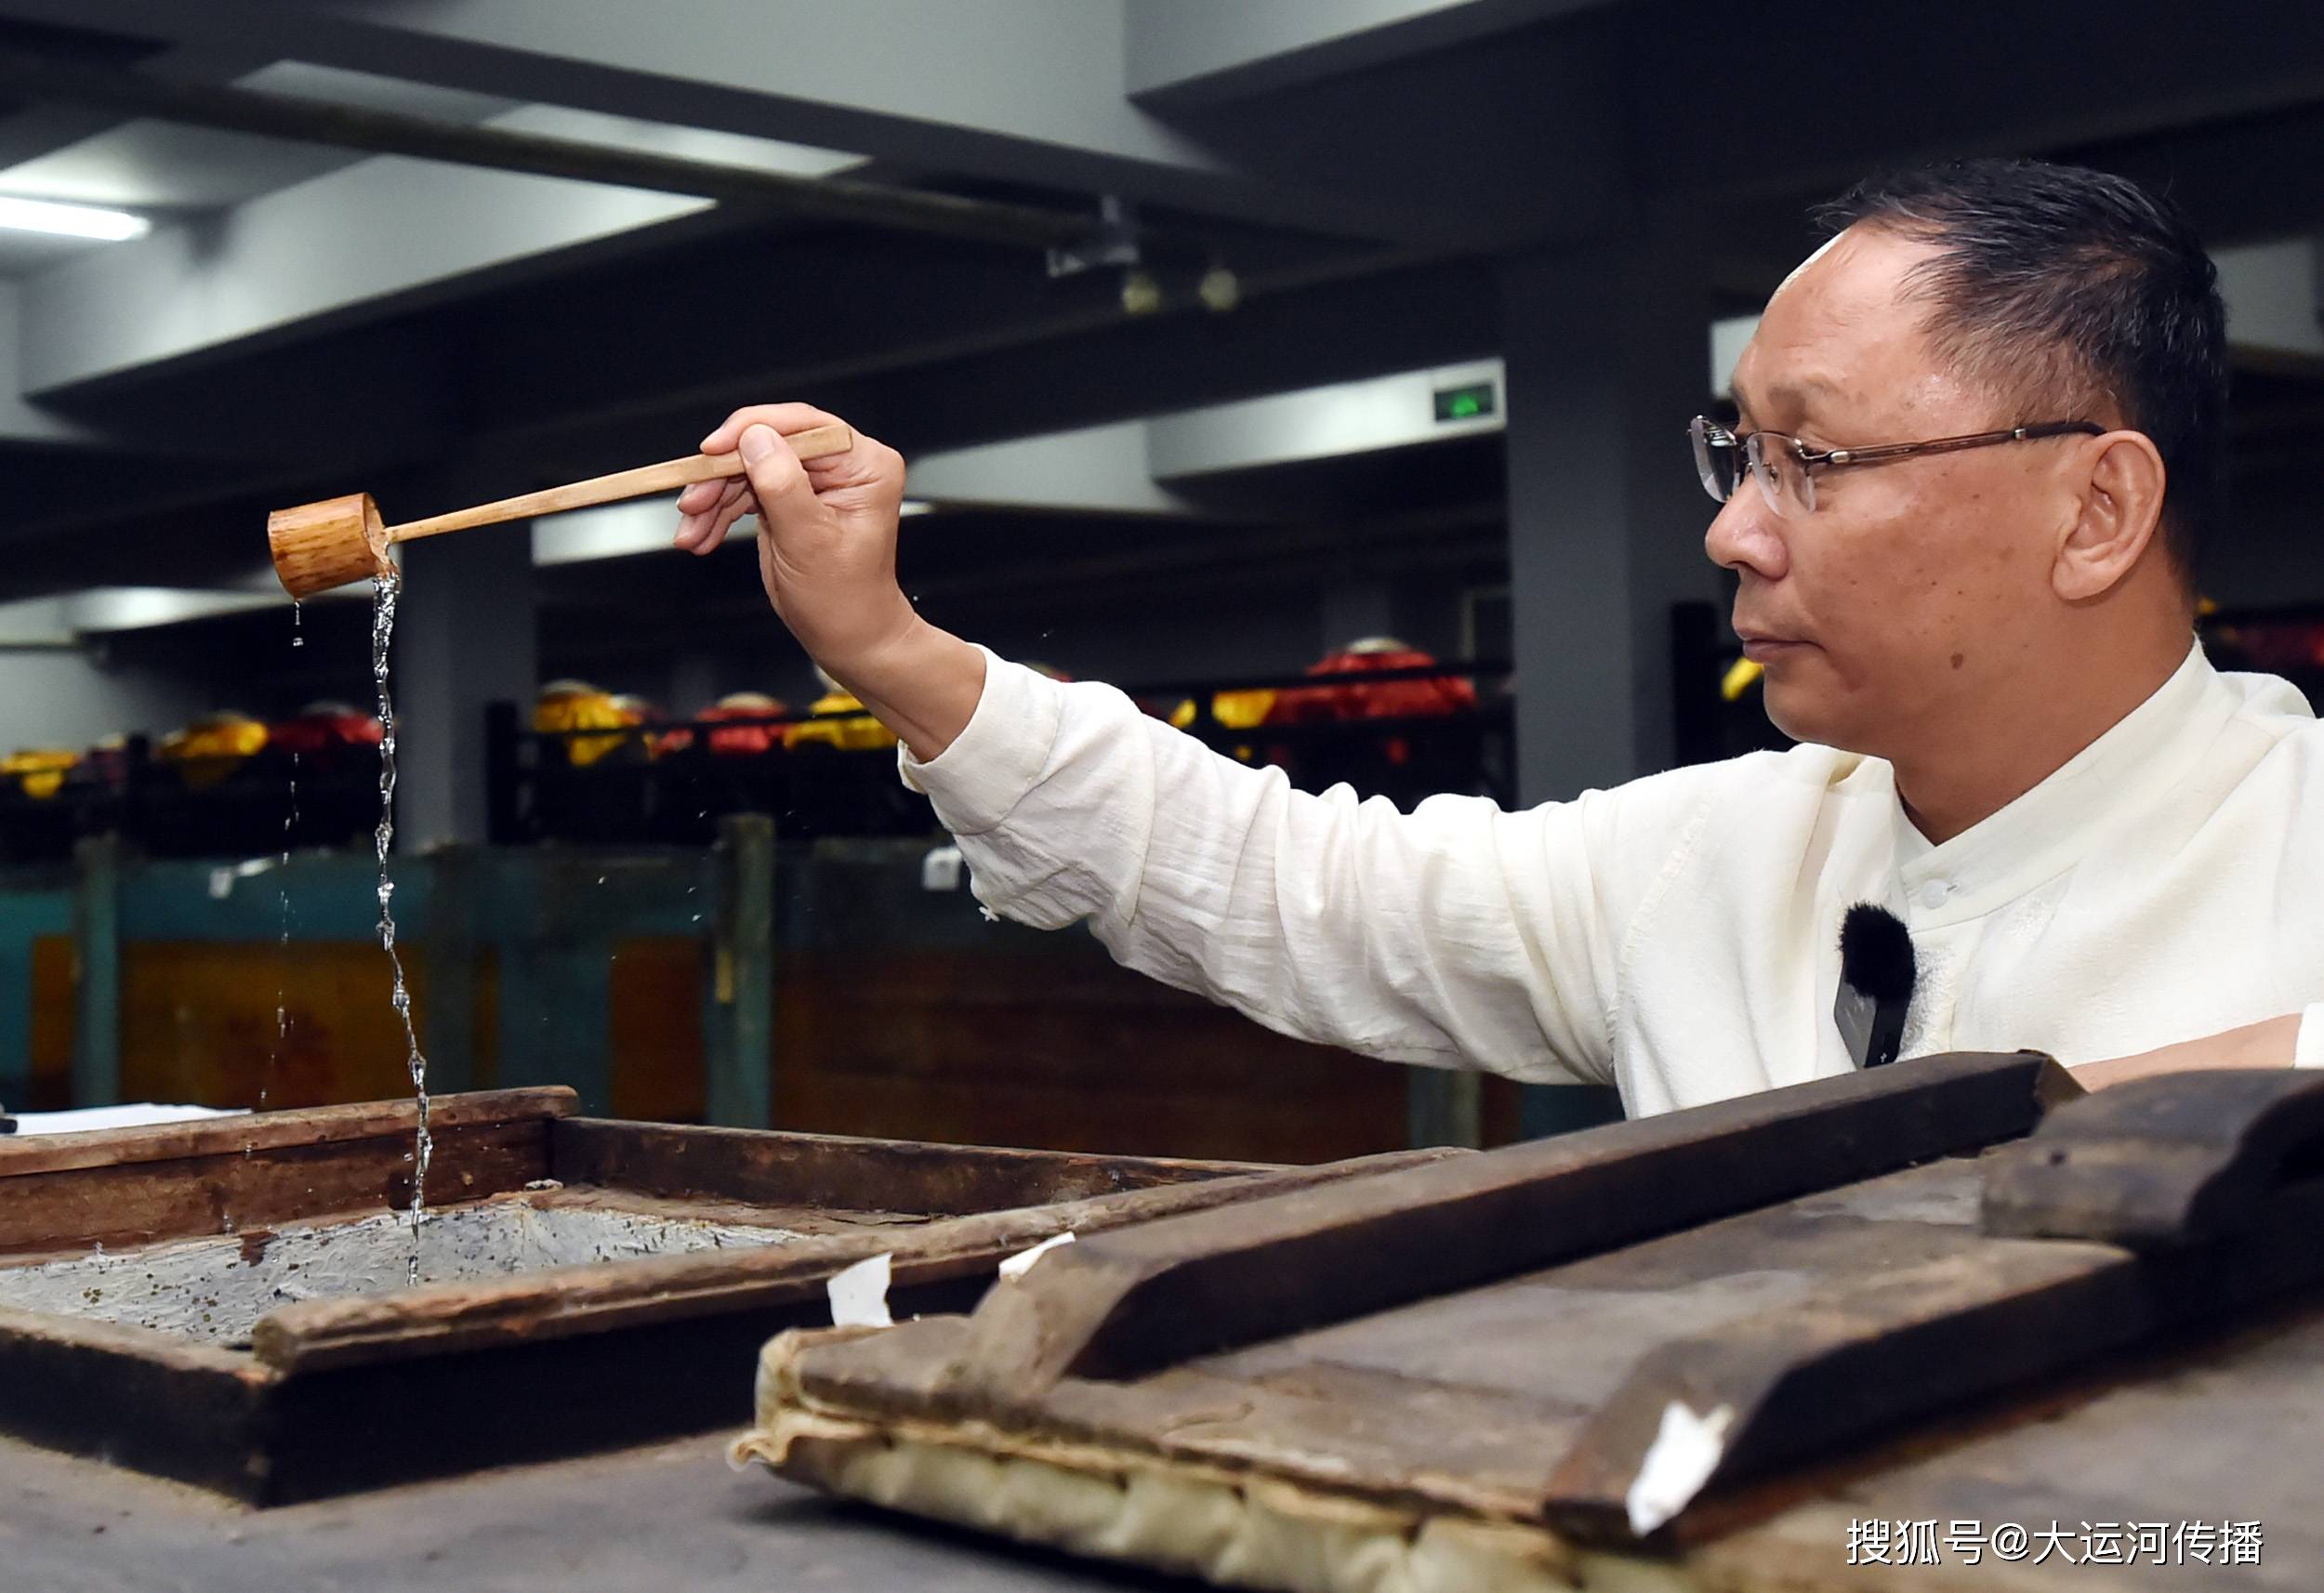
[[318, 312]]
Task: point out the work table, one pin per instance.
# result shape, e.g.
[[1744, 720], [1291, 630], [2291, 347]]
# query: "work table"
[[2225, 1430]]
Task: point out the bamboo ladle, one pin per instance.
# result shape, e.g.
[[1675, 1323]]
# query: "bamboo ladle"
[[320, 546]]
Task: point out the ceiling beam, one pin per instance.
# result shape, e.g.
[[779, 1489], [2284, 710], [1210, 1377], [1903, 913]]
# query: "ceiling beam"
[[1021, 91], [1515, 142], [1096, 469], [21, 421], [40, 129], [1185, 54], [865, 316], [198, 524], [376, 236], [501, 143], [939, 388]]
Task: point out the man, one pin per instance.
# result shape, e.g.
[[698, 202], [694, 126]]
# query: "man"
[[1978, 452]]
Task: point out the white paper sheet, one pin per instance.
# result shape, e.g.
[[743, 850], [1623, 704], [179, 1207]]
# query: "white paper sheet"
[[859, 1295], [1683, 1454], [93, 1117], [1017, 1266]]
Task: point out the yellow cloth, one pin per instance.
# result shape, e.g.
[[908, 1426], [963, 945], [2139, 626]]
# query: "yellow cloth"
[[1238, 1529], [211, 749], [1235, 710], [583, 711], [40, 771], [859, 732]]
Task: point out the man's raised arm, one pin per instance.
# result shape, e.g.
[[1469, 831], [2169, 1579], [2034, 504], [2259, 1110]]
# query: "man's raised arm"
[[828, 556], [1456, 935]]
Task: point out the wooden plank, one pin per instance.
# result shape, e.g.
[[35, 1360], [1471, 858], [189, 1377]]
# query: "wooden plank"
[[2201, 1430], [1793, 1330], [1471, 1402], [138, 1398], [1848, 1362], [269, 1130], [1165, 1293], [1467, 1401], [140, 1201], [320, 1333], [838, 1173], [2163, 1162]]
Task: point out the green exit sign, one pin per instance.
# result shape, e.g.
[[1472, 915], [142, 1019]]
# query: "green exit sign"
[[1470, 402]]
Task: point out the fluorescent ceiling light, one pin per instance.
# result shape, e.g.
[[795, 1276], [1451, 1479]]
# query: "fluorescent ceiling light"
[[70, 221], [102, 609], [916, 506]]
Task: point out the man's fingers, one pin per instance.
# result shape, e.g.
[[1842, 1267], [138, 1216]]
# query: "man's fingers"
[[702, 496], [707, 531], [785, 419], [697, 530], [707, 509], [776, 476]]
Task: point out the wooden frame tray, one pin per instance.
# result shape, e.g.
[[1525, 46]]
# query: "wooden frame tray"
[[1625, 1342], [325, 1395]]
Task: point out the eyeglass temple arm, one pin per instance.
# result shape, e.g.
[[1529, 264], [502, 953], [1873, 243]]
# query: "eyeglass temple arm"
[[1954, 444]]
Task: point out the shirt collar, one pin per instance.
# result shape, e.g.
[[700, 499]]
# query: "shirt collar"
[[2050, 827]]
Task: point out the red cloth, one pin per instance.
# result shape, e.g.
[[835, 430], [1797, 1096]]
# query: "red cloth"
[[743, 741], [1444, 694], [314, 732]]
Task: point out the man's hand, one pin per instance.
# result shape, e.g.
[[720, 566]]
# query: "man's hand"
[[827, 559], [2265, 1045], [827, 538]]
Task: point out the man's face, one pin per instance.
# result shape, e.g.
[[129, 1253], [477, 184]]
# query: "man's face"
[[1914, 591]]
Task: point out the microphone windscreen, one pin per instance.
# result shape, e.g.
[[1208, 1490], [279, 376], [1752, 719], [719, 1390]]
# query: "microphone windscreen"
[[1875, 953]]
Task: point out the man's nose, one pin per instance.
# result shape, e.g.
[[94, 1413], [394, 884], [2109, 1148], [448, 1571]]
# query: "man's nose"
[[1746, 534]]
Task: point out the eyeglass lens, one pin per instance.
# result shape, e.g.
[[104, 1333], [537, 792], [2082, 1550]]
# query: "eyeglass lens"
[[1717, 458], [1773, 459], [1782, 476]]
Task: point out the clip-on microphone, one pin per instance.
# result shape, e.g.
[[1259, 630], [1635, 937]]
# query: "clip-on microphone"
[[1877, 969]]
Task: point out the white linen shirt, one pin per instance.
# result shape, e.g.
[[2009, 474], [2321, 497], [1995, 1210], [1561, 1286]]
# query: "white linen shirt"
[[1676, 937]]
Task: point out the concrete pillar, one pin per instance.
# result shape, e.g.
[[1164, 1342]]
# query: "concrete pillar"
[[1608, 360], [464, 637]]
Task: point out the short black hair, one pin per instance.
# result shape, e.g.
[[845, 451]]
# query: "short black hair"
[[2074, 290]]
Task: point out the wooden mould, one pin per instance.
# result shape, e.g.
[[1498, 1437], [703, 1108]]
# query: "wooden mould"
[[324, 1395], [1498, 1344]]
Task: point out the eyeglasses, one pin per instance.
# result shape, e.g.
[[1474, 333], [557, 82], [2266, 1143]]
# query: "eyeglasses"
[[1785, 466]]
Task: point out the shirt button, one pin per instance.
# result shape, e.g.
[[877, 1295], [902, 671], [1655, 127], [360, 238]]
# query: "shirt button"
[[1935, 892]]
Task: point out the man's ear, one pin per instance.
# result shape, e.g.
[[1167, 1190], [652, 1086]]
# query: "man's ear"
[[2121, 508]]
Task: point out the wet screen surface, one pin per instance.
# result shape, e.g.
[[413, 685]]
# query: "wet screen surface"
[[215, 1290]]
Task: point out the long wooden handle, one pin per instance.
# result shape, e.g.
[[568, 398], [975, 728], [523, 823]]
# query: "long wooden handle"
[[645, 481]]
